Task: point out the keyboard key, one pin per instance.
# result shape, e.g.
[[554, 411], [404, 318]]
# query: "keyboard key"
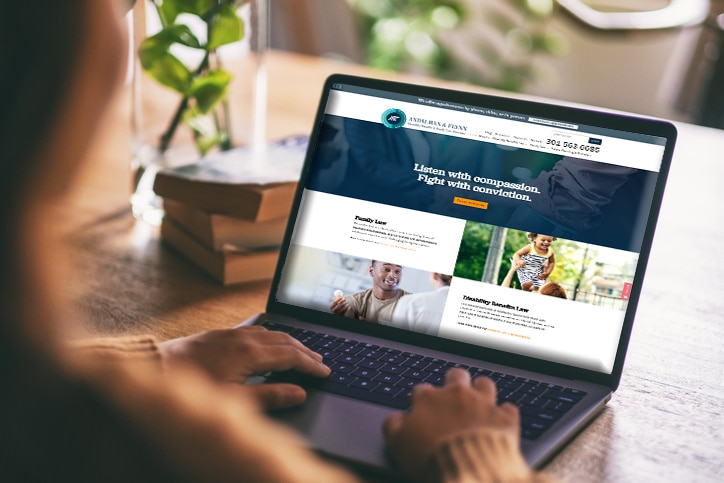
[[370, 364], [415, 374], [369, 353], [536, 390], [363, 394], [364, 384], [436, 379], [536, 424], [349, 359], [392, 369], [393, 358], [350, 348], [328, 355], [342, 368], [416, 363], [408, 383], [364, 372], [530, 433], [387, 389], [557, 405], [387, 376], [533, 400], [341, 378], [540, 413], [412, 355], [566, 397], [509, 385]]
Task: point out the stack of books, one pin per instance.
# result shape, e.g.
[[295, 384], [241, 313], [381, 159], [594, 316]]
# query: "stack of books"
[[228, 218]]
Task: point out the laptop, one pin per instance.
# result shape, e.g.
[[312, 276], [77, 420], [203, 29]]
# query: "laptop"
[[446, 191]]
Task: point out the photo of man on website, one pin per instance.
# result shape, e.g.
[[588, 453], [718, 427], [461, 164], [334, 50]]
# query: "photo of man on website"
[[377, 302], [375, 291], [387, 304]]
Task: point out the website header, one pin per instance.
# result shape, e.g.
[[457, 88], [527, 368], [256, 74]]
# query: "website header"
[[500, 128]]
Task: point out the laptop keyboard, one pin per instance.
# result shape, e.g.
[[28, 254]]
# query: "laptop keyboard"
[[386, 376]]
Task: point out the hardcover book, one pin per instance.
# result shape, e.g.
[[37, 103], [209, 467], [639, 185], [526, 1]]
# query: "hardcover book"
[[228, 266], [216, 230]]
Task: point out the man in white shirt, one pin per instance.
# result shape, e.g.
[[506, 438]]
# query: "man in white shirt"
[[422, 312]]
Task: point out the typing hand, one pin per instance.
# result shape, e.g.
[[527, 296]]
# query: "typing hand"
[[438, 413], [235, 355]]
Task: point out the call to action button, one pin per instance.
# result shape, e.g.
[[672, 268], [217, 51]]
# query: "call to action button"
[[482, 205]]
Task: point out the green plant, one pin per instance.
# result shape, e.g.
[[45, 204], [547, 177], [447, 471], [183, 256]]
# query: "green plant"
[[203, 88], [492, 43]]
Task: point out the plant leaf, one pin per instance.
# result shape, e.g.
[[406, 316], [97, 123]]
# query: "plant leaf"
[[227, 27], [167, 11], [206, 136], [210, 89], [196, 7], [158, 61], [166, 69], [173, 34]]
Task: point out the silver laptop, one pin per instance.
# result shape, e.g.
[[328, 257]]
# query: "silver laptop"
[[448, 192]]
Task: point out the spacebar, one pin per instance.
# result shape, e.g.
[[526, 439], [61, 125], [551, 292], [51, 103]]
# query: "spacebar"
[[355, 393]]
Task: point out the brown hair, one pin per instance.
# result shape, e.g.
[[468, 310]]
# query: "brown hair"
[[553, 289], [40, 42], [531, 236]]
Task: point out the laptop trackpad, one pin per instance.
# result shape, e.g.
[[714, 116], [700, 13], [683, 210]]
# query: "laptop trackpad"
[[341, 427]]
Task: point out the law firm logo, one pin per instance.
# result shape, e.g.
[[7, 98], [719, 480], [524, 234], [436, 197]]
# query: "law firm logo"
[[394, 118]]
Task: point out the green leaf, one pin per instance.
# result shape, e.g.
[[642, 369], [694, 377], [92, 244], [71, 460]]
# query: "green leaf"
[[207, 143], [210, 89], [206, 136], [166, 69], [196, 7], [227, 27], [173, 34], [158, 61], [167, 11]]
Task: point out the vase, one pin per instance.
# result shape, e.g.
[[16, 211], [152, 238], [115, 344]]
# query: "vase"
[[198, 87]]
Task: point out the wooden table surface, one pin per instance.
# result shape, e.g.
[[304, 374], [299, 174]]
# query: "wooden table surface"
[[664, 423]]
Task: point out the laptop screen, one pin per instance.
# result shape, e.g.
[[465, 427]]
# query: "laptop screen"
[[509, 225]]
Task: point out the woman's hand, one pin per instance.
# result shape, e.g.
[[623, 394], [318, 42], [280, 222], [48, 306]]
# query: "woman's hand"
[[438, 413], [235, 355]]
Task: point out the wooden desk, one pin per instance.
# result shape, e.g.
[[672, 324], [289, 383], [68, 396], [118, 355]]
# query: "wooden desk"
[[664, 423]]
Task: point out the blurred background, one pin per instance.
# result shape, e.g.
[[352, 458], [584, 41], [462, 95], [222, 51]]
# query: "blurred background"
[[662, 58]]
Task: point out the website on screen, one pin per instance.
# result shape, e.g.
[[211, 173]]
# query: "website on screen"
[[498, 229]]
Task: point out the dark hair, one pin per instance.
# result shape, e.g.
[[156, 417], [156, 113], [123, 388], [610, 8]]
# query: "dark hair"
[[446, 279], [531, 236], [39, 43], [553, 289], [39, 46]]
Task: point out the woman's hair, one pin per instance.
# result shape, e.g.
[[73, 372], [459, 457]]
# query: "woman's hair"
[[40, 41], [39, 46], [553, 289]]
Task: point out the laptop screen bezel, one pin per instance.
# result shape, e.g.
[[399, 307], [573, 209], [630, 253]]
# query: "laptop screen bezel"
[[565, 113]]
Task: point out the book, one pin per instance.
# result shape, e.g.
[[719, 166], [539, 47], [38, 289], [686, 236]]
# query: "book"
[[216, 230], [236, 183], [229, 265]]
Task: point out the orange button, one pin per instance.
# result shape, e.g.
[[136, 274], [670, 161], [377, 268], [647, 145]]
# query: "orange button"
[[483, 205]]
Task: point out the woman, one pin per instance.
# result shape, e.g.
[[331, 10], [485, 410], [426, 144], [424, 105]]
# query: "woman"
[[134, 409]]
